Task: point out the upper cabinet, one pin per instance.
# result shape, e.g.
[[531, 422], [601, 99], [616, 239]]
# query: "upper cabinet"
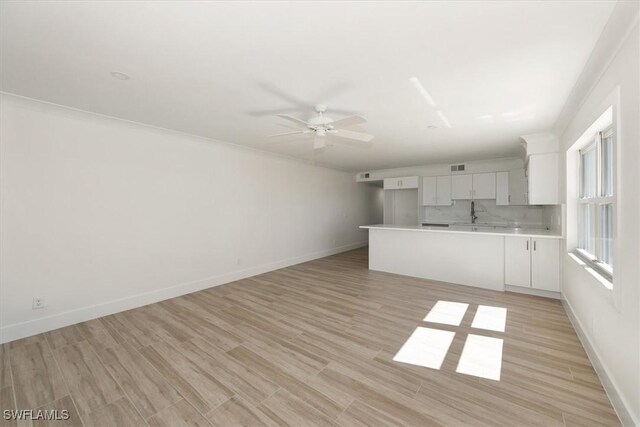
[[402, 183], [542, 171], [511, 188], [443, 186], [484, 185], [518, 187], [502, 188], [473, 186], [429, 191], [542, 162], [436, 190], [461, 187]]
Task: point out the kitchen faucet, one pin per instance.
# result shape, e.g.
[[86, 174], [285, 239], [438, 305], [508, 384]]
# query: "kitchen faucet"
[[473, 212]]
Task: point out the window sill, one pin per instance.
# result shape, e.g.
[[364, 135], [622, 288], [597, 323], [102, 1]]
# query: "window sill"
[[604, 281]]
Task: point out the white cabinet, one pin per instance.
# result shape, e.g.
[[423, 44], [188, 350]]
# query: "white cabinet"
[[461, 187], [402, 183], [517, 261], [484, 185], [429, 191], [436, 190], [443, 190], [532, 263], [473, 186], [543, 179], [502, 188], [545, 264], [518, 187], [511, 188]]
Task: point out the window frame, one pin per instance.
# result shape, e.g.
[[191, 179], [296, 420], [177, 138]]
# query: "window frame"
[[595, 260]]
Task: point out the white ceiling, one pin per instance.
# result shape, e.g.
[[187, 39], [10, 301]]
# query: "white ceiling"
[[497, 70]]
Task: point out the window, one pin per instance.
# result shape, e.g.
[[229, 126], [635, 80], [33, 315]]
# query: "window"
[[596, 203]]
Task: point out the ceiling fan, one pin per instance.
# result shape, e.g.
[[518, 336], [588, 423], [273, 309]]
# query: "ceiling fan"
[[322, 126]]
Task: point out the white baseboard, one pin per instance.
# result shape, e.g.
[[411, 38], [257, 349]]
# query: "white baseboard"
[[619, 404], [60, 320], [531, 291]]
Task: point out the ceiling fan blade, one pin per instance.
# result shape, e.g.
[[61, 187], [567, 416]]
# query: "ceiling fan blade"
[[350, 142], [293, 119], [349, 134], [319, 142], [348, 121], [275, 90], [287, 133], [273, 112]]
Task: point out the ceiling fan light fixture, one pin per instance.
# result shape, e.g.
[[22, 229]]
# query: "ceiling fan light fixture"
[[322, 126]]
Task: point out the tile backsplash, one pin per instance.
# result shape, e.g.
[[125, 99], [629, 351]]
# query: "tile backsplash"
[[488, 212]]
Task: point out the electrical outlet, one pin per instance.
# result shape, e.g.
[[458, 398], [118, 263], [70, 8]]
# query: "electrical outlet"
[[38, 302]]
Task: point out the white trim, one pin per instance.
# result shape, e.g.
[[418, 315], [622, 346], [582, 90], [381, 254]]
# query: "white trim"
[[620, 405], [44, 324], [606, 115], [597, 201], [533, 291], [174, 132], [591, 268]]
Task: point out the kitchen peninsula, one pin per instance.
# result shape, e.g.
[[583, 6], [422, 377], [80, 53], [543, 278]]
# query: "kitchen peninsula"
[[483, 256]]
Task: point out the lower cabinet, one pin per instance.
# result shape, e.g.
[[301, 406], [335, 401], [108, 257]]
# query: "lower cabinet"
[[532, 262], [545, 264], [517, 261]]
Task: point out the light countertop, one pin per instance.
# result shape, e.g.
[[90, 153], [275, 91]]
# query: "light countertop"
[[478, 229]]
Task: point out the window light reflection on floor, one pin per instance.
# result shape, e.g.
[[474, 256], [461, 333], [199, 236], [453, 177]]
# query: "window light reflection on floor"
[[447, 313], [490, 318], [425, 347], [481, 357]]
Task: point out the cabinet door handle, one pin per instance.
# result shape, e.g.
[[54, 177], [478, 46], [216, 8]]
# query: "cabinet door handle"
[[534, 245], [527, 244], [509, 199]]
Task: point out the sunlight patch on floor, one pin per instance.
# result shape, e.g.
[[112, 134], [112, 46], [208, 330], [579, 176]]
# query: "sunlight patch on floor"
[[447, 313], [490, 318], [425, 347], [481, 357]]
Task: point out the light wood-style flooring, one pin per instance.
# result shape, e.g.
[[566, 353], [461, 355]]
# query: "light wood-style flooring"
[[310, 344]]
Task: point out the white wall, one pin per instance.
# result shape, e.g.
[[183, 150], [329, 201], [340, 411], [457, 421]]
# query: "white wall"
[[101, 215], [610, 320]]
